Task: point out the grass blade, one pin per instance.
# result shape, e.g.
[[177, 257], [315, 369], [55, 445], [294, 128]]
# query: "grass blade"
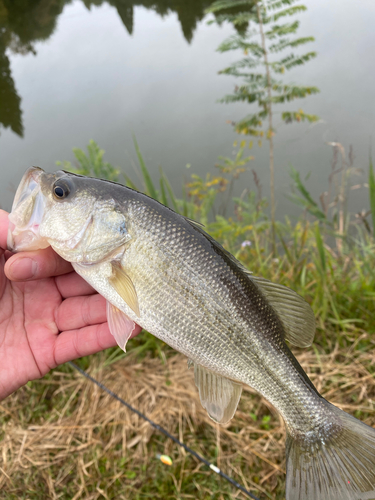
[[150, 189], [321, 250], [285, 246], [163, 194], [170, 193], [307, 200], [130, 183], [371, 182]]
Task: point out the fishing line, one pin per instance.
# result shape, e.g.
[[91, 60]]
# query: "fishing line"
[[165, 432]]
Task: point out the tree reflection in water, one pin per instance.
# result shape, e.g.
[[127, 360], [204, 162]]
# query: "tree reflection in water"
[[24, 22]]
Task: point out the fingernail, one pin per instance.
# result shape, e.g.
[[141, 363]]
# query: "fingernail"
[[23, 269]]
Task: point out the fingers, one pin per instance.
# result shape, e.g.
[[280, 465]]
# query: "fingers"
[[78, 312], [74, 344], [36, 265], [31, 265], [72, 285], [4, 222]]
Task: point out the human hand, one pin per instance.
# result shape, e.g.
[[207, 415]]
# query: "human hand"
[[48, 315]]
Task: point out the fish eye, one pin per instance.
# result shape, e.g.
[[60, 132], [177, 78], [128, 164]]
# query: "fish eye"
[[61, 189]]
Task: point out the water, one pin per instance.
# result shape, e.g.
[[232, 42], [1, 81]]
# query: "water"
[[91, 79]]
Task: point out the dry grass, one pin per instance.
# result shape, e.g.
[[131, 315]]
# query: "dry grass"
[[64, 438]]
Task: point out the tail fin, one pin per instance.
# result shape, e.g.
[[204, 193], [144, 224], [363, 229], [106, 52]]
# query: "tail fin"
[[336, 467]]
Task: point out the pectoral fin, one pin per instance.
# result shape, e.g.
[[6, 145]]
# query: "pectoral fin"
[[123, 285], [218, 395], [120, 325]]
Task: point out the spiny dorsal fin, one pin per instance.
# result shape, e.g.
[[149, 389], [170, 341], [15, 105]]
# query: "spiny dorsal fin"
[[120, 325], [123, 285], [218, 395], [294, 312]]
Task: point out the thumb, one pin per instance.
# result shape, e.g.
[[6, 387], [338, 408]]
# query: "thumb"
[[3, 244], [3, 278], [4, 223]]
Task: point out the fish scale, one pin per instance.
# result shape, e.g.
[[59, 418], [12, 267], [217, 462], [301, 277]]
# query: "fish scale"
[[162, 271]]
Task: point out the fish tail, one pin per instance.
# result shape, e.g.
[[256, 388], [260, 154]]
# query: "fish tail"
[[335, 463]]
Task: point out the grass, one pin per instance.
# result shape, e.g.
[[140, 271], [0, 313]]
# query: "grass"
[[63, 438]]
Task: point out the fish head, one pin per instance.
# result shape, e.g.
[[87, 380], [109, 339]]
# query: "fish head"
[[71, 213]]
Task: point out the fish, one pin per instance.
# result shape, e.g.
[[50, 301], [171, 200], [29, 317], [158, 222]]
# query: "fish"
[[162, 271]]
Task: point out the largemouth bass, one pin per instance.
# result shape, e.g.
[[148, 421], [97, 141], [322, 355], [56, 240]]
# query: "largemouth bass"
[[162, 271]]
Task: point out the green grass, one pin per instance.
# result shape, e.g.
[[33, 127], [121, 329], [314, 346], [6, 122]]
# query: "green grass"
[[62, 437]]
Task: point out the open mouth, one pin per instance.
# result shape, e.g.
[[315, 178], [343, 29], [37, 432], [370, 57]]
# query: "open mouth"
[[27, 214]]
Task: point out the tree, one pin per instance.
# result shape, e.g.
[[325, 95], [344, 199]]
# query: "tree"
[[261, 37]]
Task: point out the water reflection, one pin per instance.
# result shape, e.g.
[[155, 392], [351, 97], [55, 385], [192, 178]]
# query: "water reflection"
[[189, 12], [10, 102], [24, 22]]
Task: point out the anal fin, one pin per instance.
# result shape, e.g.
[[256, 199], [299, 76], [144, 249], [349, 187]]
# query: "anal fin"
[[218, 395], [119, 325]]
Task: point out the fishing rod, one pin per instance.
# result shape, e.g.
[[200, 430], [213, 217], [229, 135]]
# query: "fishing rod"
[[161, 429]]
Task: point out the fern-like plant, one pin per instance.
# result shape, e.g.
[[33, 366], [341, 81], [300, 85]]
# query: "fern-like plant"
[[261, 36]]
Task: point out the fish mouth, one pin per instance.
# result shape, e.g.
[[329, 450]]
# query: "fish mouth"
[[27, 214]]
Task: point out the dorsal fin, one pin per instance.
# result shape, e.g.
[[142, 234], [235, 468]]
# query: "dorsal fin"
[[294, 312]]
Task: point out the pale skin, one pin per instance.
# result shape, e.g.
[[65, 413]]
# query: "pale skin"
[[48, 315]]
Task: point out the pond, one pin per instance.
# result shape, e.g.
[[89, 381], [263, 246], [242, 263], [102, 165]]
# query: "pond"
[[72, 71]]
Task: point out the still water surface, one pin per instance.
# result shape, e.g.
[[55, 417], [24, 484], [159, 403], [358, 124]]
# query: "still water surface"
[[120, 68]]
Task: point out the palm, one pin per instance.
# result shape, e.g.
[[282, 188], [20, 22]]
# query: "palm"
[[23, 337], [47, 321]]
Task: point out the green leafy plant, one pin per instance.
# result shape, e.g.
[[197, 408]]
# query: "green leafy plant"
[[91, 164], [214, 192], [261, 37]]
